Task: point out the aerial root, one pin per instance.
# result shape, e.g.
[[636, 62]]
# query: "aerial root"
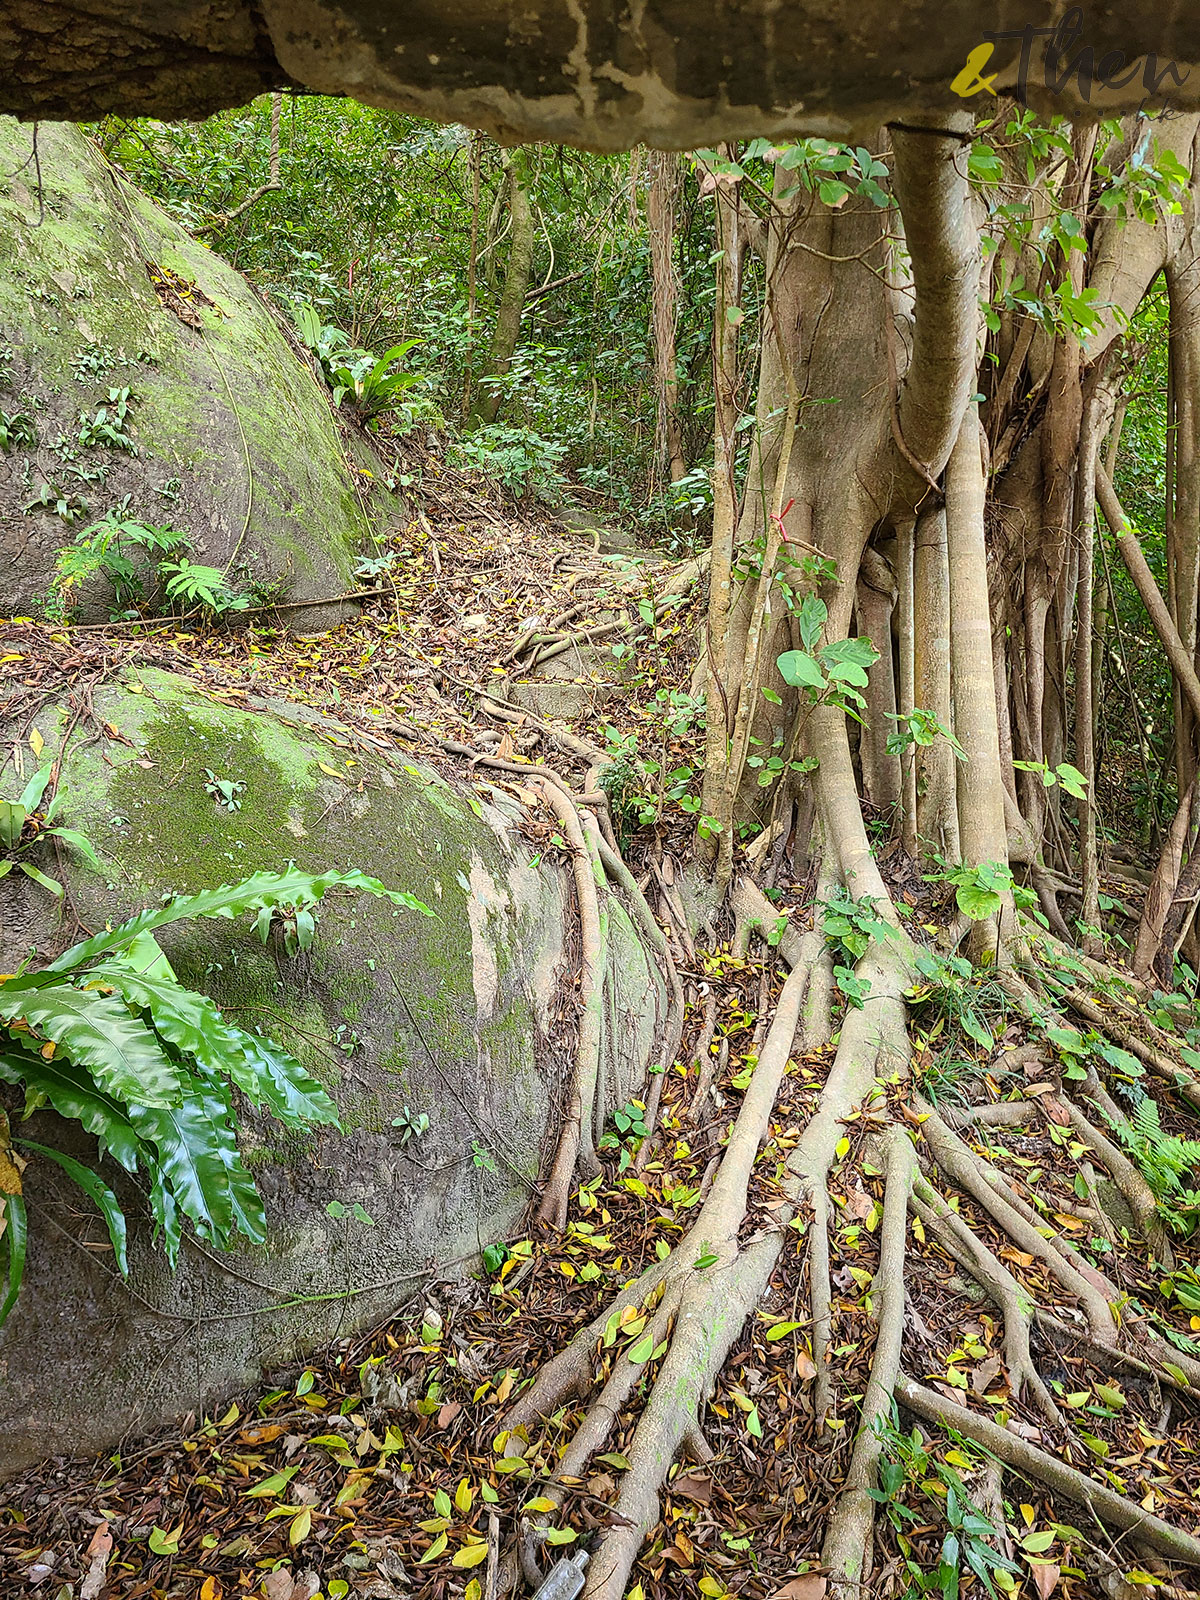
[[975, 1258], [848, 1537], [1103, 1502]]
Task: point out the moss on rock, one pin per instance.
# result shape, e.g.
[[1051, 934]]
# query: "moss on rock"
[[236, 442], [447, 1015]]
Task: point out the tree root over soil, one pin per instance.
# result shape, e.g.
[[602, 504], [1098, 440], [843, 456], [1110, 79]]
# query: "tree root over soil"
[[855, 1266], [697, 1301], [595, 864], [874, 1173], [690, 1310]]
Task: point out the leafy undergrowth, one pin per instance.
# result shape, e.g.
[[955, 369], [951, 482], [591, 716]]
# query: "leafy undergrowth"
[[383, 1469]]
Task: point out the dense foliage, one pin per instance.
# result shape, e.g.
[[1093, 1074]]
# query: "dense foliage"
[[372, 226], [926, 608]]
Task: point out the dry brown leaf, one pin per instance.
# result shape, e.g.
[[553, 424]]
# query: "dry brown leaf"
[[1018, 1257], [809, 1586], [806, 1368], [448, 1413], [950, 1392], [984, 1373], [859, 1204], [693, 1487], [1045, 1578], [262, 1434], [98, 1551], [1024, 1431], [505, 1388], [10, 1174]]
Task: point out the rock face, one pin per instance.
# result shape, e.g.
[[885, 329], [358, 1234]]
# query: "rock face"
[[235, 442], [466, 1017], [584, 72]]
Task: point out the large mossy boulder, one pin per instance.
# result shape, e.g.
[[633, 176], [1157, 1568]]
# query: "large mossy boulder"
[[465, 1017], [236, 445]]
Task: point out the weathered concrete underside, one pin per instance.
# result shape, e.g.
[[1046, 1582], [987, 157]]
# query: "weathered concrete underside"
[[669, 73]]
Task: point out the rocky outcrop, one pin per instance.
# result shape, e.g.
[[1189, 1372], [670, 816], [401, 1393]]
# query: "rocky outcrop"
[[230, 436], [466, 1018]]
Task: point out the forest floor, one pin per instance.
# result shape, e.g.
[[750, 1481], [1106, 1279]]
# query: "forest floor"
[[382, 1468]]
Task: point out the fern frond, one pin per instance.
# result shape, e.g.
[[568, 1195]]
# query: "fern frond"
[[1164, 1159], [71, 1092], [97, 1030], [94, 1186], [195, 1027], [199, 1163], [263, 889], [148, 1066]]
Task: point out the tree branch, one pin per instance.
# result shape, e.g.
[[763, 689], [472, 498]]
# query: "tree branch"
[[1147, 588]]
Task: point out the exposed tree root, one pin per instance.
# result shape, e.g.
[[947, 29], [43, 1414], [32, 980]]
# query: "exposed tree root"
[[693, 1316], [576, 1146], [1005, 1114], [976, 1177], [537, 646], [973, 1255], [848, 1538], [1104, 1503], [710, 1317], [820, 1300], [1127, 1178], [709, 1306], [672, 1031], [1073, 1337], [711, 1314], [1160, 1063]]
